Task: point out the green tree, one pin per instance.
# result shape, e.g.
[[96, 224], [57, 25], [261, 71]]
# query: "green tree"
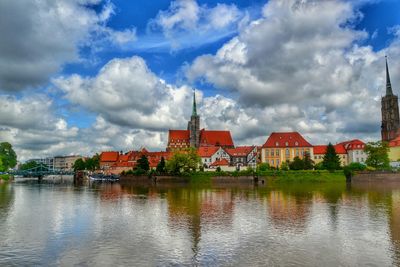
[[8, 156], [377, 155], [308, 162], [161, 166], [263, 167], [184, 162], [79, 165], [28, 165], [93, 163], [143, 163], [285, 166], [331, 160], [296, 164]]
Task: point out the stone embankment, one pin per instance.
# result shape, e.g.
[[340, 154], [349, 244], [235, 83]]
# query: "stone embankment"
[[376, 176]]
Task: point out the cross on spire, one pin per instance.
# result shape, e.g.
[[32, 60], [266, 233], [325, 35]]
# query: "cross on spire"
[[388, 84]]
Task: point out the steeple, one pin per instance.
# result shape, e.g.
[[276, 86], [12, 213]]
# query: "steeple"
[[194, 109], [388, 84]]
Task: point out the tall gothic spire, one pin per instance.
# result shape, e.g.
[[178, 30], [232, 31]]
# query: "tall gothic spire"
[[194, 110], [388, 84]]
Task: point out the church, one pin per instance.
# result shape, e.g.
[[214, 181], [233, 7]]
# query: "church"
[[390, 128], [194, 137]]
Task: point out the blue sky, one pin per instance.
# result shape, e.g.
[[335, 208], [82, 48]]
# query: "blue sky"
[[127, 68]]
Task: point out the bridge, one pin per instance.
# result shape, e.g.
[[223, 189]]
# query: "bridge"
[[39, 172]]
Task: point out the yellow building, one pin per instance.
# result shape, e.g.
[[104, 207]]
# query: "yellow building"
[[394, 149], [320, 150], [282, 147]]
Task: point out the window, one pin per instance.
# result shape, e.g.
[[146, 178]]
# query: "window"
[[272, 162], [277, 162], [272, 152], [297, 152], [277, 144], [267, 153], [277, 152], [296, 143], [287, 153], [286, 144]]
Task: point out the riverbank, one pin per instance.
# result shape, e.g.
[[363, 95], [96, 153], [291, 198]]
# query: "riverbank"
[[319, 176], [4, 177]]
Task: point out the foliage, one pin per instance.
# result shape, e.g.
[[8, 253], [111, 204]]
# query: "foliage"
[[285, 166], [143, 164], [319, 166], [308, 162], [184, 162], [303, 176], [218, 169], [377, 155], [331, 160], [263, 167], [4, 177], [28, 165], [8, 157], [353, 167], [90, 164], [296, 164], [161, 166]]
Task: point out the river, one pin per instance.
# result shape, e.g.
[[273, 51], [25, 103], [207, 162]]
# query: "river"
[[58, 224]]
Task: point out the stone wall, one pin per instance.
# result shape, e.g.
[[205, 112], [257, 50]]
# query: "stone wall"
[[377, 176]]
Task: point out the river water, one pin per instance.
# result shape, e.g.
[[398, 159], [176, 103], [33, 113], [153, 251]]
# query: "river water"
[[58, 224]]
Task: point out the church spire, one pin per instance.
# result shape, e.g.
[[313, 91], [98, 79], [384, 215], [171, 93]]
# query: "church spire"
[[388, 84], [194, 109]]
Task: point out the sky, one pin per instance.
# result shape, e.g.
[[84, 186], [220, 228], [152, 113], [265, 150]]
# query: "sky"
[[85, 76]]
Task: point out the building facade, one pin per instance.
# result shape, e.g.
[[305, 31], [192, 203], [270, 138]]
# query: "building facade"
[[390, 127], [320, 151], [48, 162], [65, 163], [284, 147], [179, 140], [243, 156]]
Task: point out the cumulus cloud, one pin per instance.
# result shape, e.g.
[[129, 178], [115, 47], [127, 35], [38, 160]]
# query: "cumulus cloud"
[[39, 37], [186, 23], [303, 55], [127, 93]]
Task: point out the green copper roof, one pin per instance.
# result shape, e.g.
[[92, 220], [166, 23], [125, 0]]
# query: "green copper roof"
[[194, 110], [388, 84]]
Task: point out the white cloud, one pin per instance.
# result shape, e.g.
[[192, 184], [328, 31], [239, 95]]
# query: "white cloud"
[[39, 37]]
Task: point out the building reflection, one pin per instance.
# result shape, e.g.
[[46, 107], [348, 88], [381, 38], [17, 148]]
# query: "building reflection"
[[289, 210], [197, 208]]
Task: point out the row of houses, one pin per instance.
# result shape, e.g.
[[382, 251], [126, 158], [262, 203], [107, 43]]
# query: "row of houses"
[[63, 163], [280, 147]]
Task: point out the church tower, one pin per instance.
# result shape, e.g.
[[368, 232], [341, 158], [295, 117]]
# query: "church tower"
[[390, 128], [194, 125]]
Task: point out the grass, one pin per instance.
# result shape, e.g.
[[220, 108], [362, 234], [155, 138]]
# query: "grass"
[[317, 176], [4, 177]]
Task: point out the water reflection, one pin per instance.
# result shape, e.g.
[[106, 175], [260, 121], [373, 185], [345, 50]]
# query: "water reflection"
[[57, 223]]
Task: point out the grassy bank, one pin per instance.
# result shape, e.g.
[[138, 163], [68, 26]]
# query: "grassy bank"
[[4, 177], [320, 176]]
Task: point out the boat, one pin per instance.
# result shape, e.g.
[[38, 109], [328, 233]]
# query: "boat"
[[104, 177]]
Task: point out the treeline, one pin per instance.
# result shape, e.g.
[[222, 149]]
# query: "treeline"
[[88, 164], [8, 157]]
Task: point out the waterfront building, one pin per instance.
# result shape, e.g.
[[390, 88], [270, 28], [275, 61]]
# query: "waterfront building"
[[394, 150], [65, 163], [355, 151], [108, 158], [211, 154], [179, 140], [223, 164], [320, 150], [284, 147], [243, 156], [390, 127]]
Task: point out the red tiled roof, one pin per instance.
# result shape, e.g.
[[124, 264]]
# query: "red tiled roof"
[[240, 151], [353, 144], [321, 149], [286, 139], [109, 156], [395, 142], [207, 151], [123, 158], [222, 162], [178, 135], [216, 138]]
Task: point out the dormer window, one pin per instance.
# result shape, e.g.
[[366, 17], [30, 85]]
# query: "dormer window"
[[287, 144], [277, 144], [296, 143]]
